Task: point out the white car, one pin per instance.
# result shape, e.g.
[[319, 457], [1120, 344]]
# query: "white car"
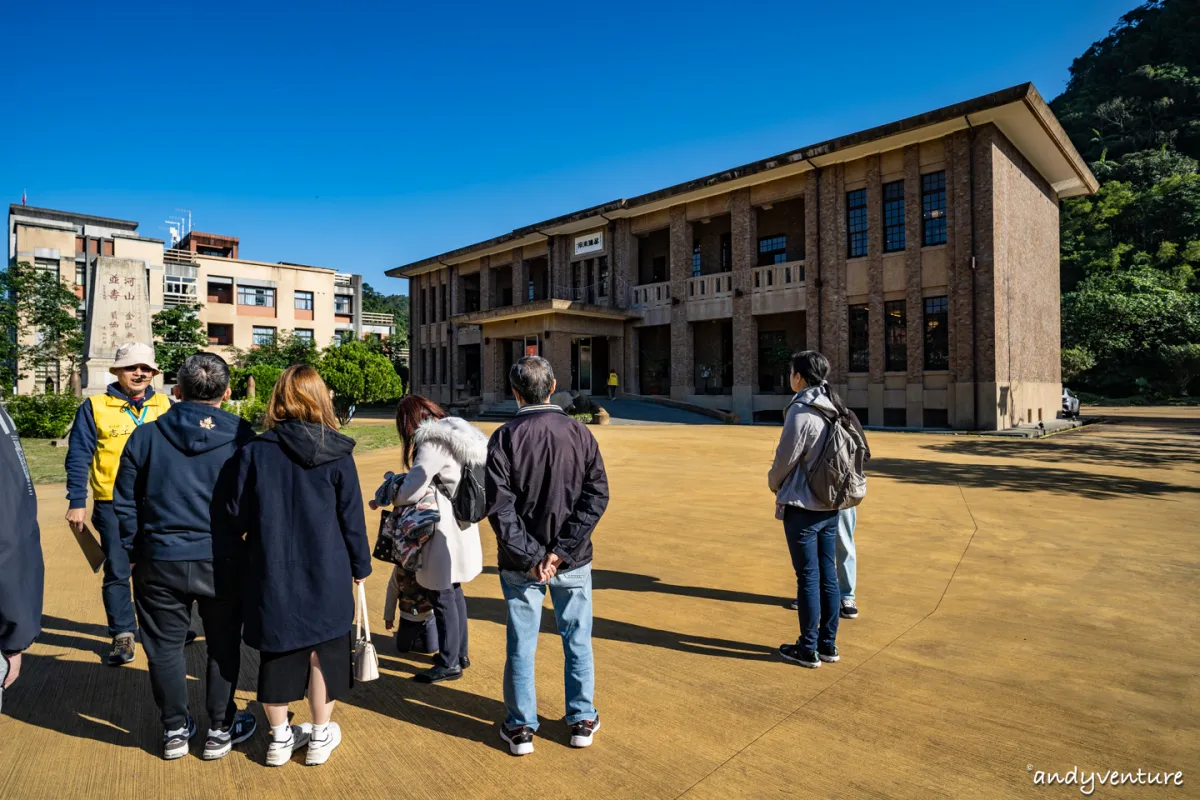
[[1070, 407]]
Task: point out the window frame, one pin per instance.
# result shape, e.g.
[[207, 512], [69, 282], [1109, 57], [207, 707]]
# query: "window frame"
[[894, 238], [255, 332], [338, 299], [307, 335], [933, 209], [858, 233], [772, 255], [265, 292], [940, 305], [297, 299], [895, 353], [858, 341]]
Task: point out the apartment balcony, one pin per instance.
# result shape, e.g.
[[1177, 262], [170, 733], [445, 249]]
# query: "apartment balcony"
[[383, 320], [778, 288], [710, 297]]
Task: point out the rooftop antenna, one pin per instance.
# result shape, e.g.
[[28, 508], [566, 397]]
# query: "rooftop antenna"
[[188, 229], [175, 227]]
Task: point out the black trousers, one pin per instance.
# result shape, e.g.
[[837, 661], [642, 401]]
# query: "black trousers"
[[163, 593], [450, 611]]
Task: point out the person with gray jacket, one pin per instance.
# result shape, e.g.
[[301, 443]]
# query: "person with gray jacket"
[[810, 528], [437, 449]]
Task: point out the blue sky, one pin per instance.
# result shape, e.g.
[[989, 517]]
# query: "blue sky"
[[363, 136]]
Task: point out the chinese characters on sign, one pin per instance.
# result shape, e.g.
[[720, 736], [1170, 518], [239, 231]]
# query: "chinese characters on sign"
[[589, 243], [120, 306]]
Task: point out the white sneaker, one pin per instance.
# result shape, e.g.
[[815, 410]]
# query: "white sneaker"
[[280, 753], [319, 749]]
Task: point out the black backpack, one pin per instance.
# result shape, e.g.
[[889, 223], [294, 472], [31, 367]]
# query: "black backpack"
[[468, 501]]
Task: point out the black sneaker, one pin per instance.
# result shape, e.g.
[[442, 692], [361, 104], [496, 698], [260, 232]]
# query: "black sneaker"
[[122, 651], [581, 732], [220, 742], [437, 675], [849, 610], [828, 654], [175, 743], [795, 606], [520, 740], [798, 655]]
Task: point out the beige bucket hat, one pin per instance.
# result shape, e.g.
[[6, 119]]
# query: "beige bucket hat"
[[133, 353]]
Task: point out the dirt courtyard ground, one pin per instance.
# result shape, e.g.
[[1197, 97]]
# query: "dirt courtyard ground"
[[1026, 605]]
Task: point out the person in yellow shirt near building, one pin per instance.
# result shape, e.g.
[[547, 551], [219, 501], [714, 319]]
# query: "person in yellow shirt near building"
[[613, 383], [102, 425]]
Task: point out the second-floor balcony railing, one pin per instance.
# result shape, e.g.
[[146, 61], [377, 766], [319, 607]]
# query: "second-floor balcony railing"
[[777, 277], [707, 287], [652, 295]]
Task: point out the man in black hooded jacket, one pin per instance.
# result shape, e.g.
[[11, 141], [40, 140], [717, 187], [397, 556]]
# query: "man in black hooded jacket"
[[164, 501], [21, 569]]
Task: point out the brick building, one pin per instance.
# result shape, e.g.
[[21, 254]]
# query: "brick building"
[[921, 257]]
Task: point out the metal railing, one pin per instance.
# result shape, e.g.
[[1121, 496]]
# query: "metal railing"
[[372, 318]]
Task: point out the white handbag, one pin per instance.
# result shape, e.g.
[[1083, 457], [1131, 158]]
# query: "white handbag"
[[366, 662]]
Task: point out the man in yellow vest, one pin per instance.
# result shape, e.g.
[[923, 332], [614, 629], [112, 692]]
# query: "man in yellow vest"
[[102, 425], [613, 383]]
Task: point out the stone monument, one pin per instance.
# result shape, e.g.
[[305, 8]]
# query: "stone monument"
[[119, 312]]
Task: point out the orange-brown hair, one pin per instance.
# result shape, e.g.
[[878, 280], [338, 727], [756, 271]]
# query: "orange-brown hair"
[[300, 394], [411, 411]]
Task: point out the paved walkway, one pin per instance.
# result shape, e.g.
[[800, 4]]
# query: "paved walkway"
[[1024, 604], [637, 412]]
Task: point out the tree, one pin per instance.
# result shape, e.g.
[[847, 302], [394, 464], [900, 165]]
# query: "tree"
[[178, 334], [1075, 362], [357, 375], [284, 350], [1184, 362], [38, 312]]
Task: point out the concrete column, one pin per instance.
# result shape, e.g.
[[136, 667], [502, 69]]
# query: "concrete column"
[[683, 379], [630, 382], [557, 350], [452, 333], [958, 266], [814, 310], [623, 264], [914, 306], [835, 343], [743, 220], [520, 273], [416, 315], [875, 369], [491, 380], [485, 284]]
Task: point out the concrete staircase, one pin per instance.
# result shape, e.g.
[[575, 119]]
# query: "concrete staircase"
[[500, 411]]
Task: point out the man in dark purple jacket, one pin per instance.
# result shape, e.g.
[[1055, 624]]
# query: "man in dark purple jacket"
[[546, 491]]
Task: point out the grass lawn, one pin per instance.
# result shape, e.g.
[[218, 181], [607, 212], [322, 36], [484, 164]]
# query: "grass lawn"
[[46, 462]]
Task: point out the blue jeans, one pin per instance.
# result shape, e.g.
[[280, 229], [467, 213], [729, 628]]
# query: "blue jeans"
[[846, 562], [118, 600], [812, 541], [571, 595]]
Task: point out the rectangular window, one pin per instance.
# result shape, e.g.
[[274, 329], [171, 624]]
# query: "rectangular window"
[[46, 265], [893, 216], [263, 336], [79, 245], [178, 290], [895, 338], [256, 296], [304, 301], [895, 418], [341, 304], [937, 333], [445, 365], [696, 262], [933, 208], [107, 247], [726, 252], [304, 335], [602, 269], [860, 337], [772, 250], [856, 223], [220, 334], [445, 290], [936, 418], [658, 266], [80, 274]]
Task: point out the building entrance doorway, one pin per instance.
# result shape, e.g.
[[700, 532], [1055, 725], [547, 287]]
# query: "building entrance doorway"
[[581, 364]]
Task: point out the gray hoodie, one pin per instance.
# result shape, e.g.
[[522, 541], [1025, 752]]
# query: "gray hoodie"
[[803, 430]]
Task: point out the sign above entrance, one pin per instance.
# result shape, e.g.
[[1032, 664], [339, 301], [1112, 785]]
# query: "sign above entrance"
[[589, 243]]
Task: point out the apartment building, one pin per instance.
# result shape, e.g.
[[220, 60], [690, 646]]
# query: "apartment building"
[[921, 256], [243, 303]]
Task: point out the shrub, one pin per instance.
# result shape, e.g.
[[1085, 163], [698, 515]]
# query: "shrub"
[[43, 416], [265, 376], [1075, 362], [586, 419], [250, 410]]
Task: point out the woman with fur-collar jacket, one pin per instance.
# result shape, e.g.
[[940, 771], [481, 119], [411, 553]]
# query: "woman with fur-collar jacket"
[[436, 449]]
